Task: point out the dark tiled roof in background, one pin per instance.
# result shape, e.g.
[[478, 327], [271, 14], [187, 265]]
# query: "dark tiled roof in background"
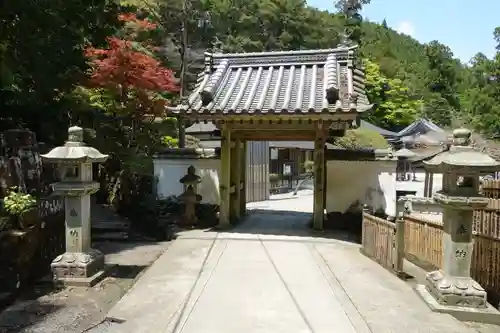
[[278, 82], [385, 133]]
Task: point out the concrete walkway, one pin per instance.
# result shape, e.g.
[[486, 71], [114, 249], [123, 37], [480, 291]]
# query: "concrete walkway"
[[270, 275]]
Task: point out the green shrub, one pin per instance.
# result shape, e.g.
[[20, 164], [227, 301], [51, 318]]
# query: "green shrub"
[[274, 177], [169, 141], [308, 166], [18, 203], [361, 138]]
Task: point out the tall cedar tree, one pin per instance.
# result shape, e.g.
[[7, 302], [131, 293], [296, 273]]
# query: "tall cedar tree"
[[133, 75]]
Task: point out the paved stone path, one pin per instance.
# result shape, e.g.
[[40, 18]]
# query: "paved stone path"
[[270, 274]]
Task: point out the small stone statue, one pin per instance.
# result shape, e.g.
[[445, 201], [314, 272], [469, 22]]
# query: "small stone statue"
[[190, 197]]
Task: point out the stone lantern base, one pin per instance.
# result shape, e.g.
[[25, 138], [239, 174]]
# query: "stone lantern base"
[[78, 269], [462, 298]]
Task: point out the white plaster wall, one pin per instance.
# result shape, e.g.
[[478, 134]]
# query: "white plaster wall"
[[371, 182], [170, 171]]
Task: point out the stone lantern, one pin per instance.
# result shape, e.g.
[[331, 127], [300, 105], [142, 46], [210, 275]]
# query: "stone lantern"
[[452, 289], [80, 264], [404, 166], [190, 197], [190, 179]]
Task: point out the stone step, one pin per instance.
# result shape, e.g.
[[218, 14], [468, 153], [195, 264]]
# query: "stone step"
[[110, 236], [99, 218], [105, 212], [110, 225]]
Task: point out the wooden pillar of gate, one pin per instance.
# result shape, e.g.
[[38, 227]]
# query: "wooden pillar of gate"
[[243, 178], [225, 178], [426, 184], [325, 182], [235, 180], [319, 177], [431, 184]]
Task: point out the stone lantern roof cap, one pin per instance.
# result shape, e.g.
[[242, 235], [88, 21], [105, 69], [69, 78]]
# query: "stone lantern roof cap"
[[437, 159], [74, 150], [191, 177], [462, 154]]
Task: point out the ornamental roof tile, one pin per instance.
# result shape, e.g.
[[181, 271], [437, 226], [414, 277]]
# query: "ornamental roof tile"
[[286, 82]]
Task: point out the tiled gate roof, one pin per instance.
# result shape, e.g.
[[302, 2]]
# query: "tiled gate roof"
[[288, 82]]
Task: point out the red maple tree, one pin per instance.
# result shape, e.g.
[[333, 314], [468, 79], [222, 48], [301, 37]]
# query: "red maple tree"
[[132, 18], [135, 77]]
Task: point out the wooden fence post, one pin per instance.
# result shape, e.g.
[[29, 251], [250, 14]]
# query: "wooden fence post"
[[364, 228], [400, 244]]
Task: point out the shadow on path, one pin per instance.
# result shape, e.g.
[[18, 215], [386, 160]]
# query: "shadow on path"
[[286, 223]]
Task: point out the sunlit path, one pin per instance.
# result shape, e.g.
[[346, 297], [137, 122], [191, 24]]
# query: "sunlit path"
[[249, 279]]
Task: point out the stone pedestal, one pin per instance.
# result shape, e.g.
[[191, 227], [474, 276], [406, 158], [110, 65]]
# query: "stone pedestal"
[[455, 291], [79, 268], [190, 199], [452, 290], [80, 265], [453, 286]]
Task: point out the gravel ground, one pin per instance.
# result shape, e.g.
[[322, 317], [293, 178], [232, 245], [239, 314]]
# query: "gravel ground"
[[79, 310]]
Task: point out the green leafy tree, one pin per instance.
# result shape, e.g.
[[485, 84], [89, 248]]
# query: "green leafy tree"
[[496, 36], [443, 81], [481, 99], [343, 5], [394, 106], [130, 88], [41, 59], [417, 79], [438, 109], [350, 9]]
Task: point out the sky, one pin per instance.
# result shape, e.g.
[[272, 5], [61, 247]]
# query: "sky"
[[465, 27]]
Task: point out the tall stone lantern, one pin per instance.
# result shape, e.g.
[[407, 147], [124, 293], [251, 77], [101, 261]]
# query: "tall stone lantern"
[[80, 264], [452, 289]]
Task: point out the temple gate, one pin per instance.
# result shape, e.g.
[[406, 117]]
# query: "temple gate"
[[307, 95]]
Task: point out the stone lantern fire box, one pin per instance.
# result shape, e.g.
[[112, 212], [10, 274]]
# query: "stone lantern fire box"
[[190, 196], [452, 289], [80, 265]]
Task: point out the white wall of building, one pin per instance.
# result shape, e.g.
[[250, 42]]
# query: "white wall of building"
[[169, 171], [348, 182], [362, 182]]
